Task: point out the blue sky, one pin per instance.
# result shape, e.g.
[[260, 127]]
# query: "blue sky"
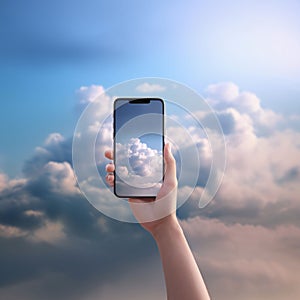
[[49, 50], [242, 55], [128, 112]]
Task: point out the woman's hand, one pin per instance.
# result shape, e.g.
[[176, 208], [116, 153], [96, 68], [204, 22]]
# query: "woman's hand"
[[154, 213], [182, 276]]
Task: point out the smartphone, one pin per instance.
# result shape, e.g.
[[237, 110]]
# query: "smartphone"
[[138, 147]]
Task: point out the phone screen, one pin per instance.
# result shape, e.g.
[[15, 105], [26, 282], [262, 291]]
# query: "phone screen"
[[138, 147]]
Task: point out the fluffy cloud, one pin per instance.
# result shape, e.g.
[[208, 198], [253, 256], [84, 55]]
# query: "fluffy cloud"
[[149, 88], [11, 231], [263, 166], [142, 158], [227, 95], [262, 169], [139, 164], [88, 94], [61, 177], [100, 103], [56, 148]]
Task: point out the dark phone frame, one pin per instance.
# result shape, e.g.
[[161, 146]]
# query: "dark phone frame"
[[141, 101]]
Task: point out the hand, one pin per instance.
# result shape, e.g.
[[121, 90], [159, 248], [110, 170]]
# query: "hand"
[[182, 276], [154, 213]]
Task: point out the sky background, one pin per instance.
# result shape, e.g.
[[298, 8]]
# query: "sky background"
[[243, 57]]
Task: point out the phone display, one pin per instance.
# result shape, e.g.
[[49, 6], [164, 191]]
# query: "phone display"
[[138, 147]]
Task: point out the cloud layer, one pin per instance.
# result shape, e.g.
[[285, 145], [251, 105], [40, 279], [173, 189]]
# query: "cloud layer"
[[54, 244], [138, 163]]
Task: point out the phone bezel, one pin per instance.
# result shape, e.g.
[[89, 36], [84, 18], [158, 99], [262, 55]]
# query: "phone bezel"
[[137, 100]]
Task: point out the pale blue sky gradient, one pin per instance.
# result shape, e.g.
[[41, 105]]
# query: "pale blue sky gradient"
[[49, 49]]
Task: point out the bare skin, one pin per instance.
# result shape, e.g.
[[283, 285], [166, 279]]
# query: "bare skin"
[[182, 276]]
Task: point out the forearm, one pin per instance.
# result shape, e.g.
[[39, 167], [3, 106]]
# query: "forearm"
[[182, 275]]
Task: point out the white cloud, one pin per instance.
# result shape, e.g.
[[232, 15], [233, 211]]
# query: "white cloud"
[[54, 138], [149, 88], [6, 183], [263, 167], [99, 103], [7, 231], [51, 232], [34, 213], [88, 94], [225, 91], [139, 164], [61, 177], [226, 95]]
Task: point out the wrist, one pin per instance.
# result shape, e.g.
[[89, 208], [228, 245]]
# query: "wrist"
[[168, 227]]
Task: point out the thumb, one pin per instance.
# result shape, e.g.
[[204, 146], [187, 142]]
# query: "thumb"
[[170, 166]]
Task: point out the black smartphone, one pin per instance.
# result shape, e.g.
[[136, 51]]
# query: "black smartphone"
[[138, 147]]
